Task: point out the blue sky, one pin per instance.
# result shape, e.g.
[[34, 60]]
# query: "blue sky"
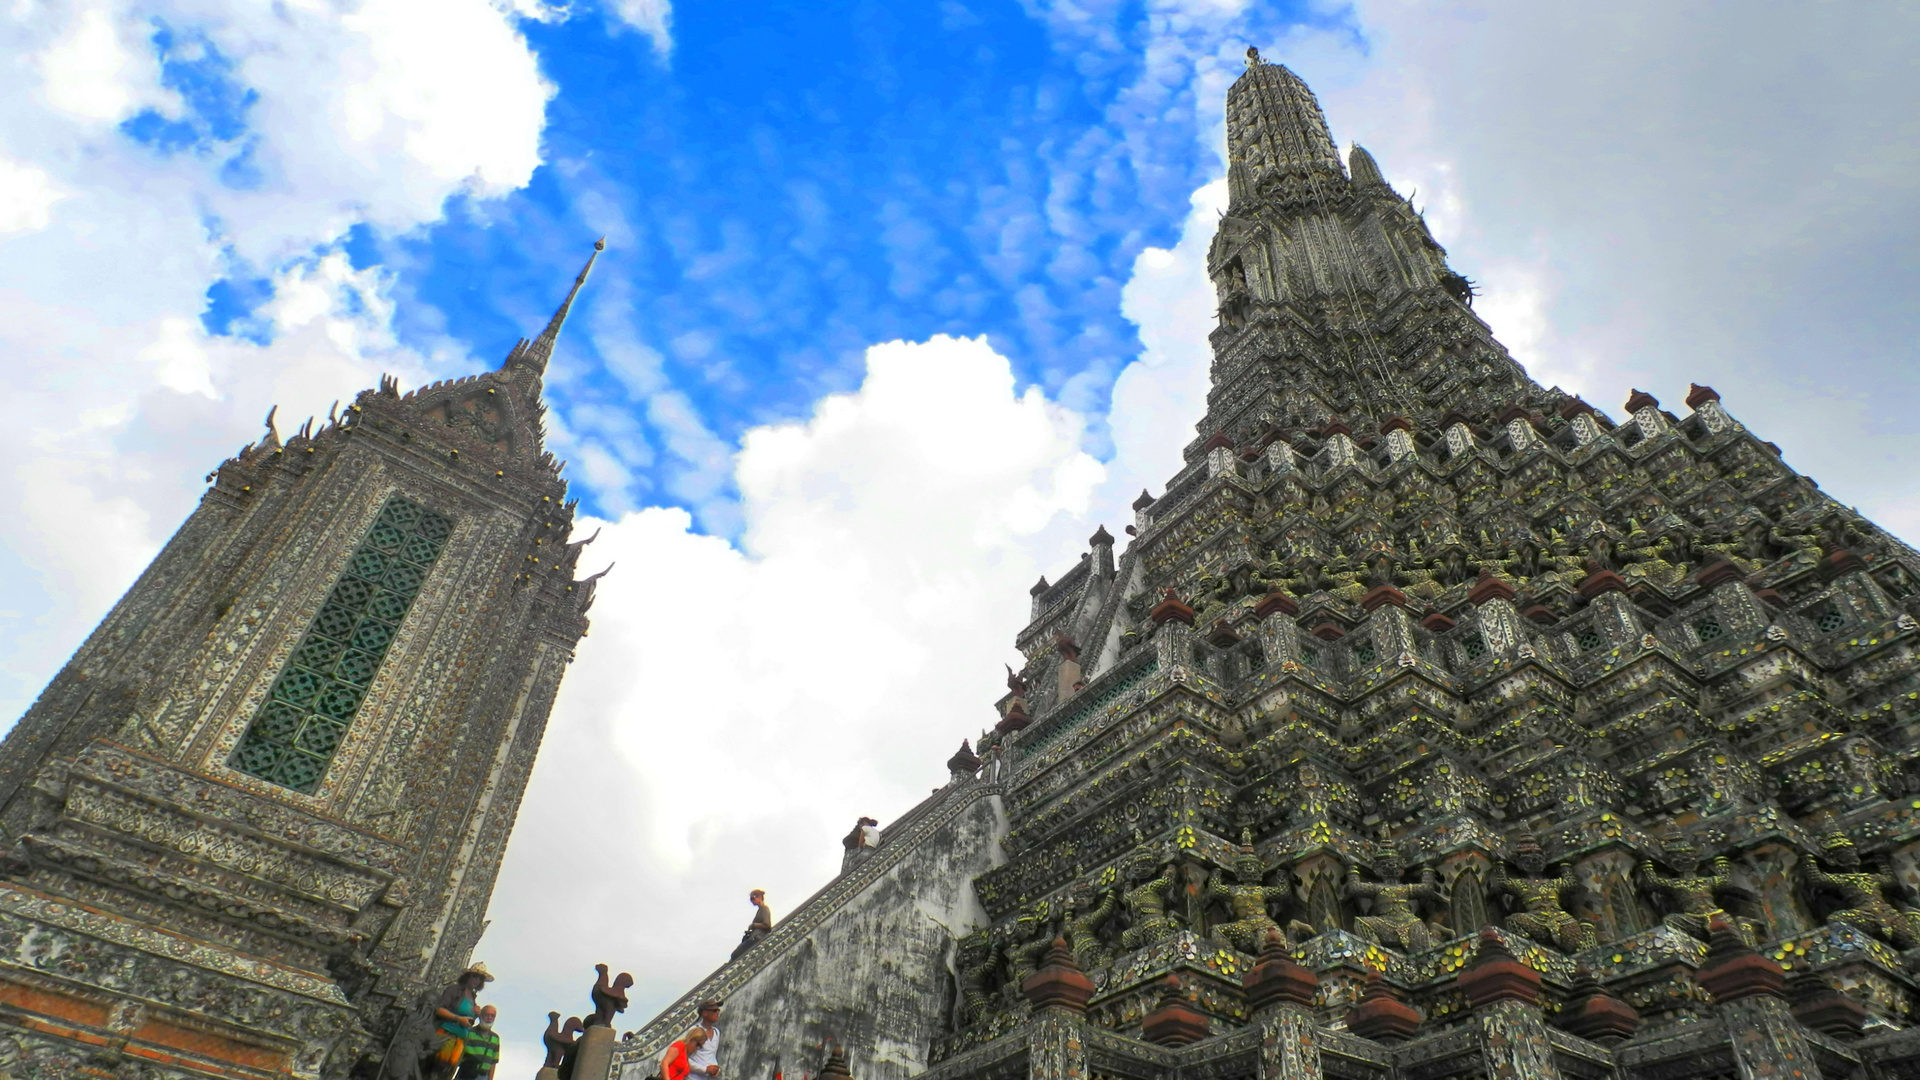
[[901, 301], [781, 191]]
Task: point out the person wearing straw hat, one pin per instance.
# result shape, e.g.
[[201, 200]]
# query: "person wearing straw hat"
[[454, 1016]]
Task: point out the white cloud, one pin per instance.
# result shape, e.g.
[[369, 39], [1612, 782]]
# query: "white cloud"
[[97, 67], [745, 703], [179, 358], [1159, 398], [653, 18], [748, 701], [27, 195]]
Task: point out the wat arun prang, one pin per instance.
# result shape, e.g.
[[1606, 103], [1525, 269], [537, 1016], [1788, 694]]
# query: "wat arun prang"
[[1433, 724]]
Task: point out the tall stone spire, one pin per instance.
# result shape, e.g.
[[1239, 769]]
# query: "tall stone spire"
[[323, 702], [1336, 302], [1277, 139], [536, 354]]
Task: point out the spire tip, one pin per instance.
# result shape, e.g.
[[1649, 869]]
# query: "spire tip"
[[540, 350]]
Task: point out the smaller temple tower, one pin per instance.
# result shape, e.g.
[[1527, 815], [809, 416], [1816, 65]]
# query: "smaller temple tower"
[[262, 807]]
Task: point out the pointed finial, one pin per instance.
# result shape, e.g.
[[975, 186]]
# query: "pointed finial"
[[273, 433], [540, 350]]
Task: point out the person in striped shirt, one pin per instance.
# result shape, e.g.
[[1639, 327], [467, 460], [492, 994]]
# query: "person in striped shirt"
[[483, 1047]]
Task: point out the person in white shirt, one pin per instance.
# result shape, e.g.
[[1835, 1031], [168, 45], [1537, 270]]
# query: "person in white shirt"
[[706, 1060]]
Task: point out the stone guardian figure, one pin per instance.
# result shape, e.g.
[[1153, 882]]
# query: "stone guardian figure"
[[1864, 894], [1032, 937], [1394, 922], [1542, 915], [1083, 919], [975, 962], [1693, 893], [1247, 898], [1146, 900]]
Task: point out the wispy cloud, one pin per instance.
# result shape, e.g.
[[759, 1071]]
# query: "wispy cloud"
[[653, 18]]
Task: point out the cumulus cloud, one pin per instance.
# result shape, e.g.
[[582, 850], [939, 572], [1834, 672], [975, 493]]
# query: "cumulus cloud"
[[151, 150], [737, 706], [1160, 397], [27, 195], [93, 69]]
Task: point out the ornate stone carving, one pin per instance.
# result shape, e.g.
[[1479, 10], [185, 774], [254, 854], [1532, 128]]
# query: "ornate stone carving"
[[1694, 893], [1146, 900], [128, 840], [1542, 915], [1862, 894], [1247, 899], [1394, 922]]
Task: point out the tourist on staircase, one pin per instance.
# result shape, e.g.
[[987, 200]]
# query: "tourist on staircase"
[[677, 1062], [759, 928], [482, 1047]]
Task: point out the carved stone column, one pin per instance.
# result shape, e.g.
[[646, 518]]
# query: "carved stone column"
[[1280, 996], [1056, 1036], [1173, 632], [593, 1055], [1505, 996], [1749, 996]]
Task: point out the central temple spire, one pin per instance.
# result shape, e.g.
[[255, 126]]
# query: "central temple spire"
[[1406, 637], [1276, 135], [1336, 302]]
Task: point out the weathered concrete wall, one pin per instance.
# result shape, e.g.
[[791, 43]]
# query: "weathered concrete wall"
[[866, 962]]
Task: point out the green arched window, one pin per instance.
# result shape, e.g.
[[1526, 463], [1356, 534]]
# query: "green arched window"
[[305, 718]]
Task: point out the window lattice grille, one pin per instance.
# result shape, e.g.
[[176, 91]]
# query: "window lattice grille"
[[1828, 617], [1364, 654], [1474, 645], [293, 737], [1588, 639], [1708, 628]]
